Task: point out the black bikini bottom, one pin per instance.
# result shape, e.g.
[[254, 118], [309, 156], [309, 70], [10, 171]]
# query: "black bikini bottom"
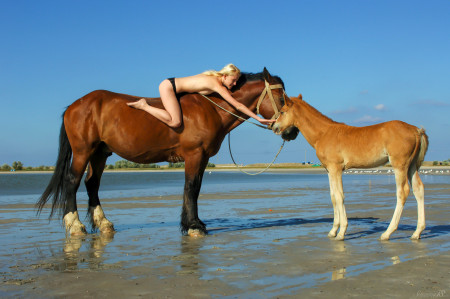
[[172, 81]]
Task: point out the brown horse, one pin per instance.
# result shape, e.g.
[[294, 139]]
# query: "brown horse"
[[101, 123], [339, 147]]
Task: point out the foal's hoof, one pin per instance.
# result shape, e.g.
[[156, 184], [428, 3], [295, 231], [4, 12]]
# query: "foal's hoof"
[[196, 233], [415, 237], [384, 237], [339, 238]]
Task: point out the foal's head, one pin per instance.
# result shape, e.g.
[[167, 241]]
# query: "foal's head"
[[285, 122]]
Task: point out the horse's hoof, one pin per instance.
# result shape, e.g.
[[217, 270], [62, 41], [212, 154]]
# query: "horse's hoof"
[[107, 228], [78, 230], [331, 235], [196, 233]]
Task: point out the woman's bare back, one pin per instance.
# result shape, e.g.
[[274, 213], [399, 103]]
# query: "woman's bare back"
[[200, 83]]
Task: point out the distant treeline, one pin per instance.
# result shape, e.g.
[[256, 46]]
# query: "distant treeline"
[[127, 164], [122, 164]]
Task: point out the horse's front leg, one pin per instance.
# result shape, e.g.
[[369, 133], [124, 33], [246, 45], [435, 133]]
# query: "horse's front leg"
[[194, 169]]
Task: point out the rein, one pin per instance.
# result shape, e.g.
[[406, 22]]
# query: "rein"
[[267, 90], [240, 117]]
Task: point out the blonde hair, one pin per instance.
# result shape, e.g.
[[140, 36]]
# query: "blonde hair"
[[229, 70]]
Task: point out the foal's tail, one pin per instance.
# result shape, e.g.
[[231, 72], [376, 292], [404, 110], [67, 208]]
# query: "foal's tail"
[[420, 152], [57, 187]]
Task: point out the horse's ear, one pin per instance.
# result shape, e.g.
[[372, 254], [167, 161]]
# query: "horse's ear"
[[289, 102], [266, 74], [300, 96]]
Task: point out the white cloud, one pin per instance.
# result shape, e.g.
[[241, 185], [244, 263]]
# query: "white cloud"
[[380, 107]]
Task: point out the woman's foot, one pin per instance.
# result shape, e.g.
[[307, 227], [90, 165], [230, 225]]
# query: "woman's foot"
[[141, 104]]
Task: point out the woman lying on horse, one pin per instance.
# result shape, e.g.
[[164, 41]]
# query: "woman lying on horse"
[[205, 83]]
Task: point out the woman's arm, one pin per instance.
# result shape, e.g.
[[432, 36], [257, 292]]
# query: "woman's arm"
[[223, 91]]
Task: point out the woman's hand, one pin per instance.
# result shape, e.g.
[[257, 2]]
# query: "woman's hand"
[[265, 121]]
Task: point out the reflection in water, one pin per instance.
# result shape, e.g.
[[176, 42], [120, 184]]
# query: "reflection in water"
[[338, 274], [395, 260], [339, 246], [99, 242], [72, 245], [189, 256], [74, 259]]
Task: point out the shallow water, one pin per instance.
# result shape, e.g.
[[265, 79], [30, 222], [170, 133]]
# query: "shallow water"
[[267, 234]]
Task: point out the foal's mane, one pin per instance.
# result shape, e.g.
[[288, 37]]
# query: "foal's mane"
[[315, 111]]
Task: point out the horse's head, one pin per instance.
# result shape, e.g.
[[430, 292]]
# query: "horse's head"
[[272, 98], [270, 90], [285, 124]]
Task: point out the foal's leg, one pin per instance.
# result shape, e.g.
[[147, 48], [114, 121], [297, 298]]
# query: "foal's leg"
[[418, 191], [92, 182], [71, 218], [402, 194], [335, 175], [194, 169], [335, 228]]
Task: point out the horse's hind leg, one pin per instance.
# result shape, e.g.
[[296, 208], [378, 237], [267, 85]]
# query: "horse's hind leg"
[[418, 191], [71, 218], [92, 182], [402, 194]]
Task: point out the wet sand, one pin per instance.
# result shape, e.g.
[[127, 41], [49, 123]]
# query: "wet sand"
[[262, 244]]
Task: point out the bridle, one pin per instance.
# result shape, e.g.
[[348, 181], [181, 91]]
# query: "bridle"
[[267, 90]]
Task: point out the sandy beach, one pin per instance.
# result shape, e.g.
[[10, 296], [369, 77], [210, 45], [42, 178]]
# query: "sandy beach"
[[261, 244]]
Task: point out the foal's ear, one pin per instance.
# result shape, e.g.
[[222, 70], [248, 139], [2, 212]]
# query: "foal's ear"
[[300, 97], [289, 102]]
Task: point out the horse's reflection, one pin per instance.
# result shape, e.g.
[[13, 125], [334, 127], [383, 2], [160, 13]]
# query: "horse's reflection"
[[96, 247], [190, 261]]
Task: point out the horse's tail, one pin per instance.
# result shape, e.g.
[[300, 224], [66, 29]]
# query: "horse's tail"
[[57, 187], [421, 151]]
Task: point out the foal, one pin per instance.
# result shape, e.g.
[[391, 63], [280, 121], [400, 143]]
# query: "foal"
[[339, 147]]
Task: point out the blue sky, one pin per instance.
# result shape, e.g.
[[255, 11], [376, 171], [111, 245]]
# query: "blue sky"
[[358, 62]]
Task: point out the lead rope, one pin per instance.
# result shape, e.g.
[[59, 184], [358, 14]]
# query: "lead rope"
[[241, 118], [249, 173], [229, 139]]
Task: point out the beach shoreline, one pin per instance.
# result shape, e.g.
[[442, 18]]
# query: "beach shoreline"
[[262, 243], [432, 170]]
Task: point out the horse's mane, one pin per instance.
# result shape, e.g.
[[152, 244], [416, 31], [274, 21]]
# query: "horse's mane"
[[249, 77]]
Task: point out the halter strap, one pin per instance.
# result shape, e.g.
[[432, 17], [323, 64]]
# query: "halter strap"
[[268, 90]]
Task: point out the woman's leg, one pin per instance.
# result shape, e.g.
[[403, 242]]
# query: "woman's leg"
[[171, 116]]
